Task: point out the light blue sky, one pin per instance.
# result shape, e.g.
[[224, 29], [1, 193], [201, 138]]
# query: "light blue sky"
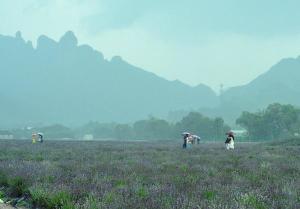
[[196, 41]]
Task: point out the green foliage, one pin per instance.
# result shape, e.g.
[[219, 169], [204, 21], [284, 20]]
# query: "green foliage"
[[2, 194], [3, 179], [39, 197], [109, 197], [17, 187], [44, 199], [91, 202], [157, 129], [252, 201], [203, 126], [148, 129], [155, 175], [142, 192], [275, 122], [209, 195], [120, 184], [152, 129], [61, 200], [57, 131], [39, 158], [48, 179], [123, 131]]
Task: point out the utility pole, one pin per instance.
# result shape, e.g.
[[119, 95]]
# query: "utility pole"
[[221, 89]]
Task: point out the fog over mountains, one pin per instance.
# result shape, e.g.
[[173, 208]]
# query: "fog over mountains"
[[63, 82], [66, 83]]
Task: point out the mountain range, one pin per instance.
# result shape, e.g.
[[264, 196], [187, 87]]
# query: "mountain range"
[[279, 84], [63, 82]]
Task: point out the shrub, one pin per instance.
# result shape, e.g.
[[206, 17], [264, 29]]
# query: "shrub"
[[61, 200], [3, 180], [17, 187], [43, 199], [120, 184], [2, 194], [253, 202], [91, 203], [109, 197], [142, 193], [209, 195]]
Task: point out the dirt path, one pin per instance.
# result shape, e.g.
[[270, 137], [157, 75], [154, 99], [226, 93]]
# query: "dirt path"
[[4, 206]]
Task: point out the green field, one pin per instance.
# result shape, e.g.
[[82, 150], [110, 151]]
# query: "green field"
[[114, 174]]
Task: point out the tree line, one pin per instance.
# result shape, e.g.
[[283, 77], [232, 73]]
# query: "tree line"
[[277, 121], [147, 129], [155, 128]]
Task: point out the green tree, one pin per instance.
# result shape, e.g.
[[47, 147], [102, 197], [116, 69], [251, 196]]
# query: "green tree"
[[123, 131], [200, 125], [274, 122], [152, 128], [57, 131], [280, 119], [254, 123]]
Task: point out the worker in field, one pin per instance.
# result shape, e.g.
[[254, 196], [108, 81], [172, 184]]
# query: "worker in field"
[[34, 138], [229, 143], [196, 138], [40, 137], [185, 139]]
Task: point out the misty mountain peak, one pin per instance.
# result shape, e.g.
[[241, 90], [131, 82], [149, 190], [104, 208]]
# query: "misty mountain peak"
[[69, 39], [45, 42], [19, 35], [116, 59], [92, 87]]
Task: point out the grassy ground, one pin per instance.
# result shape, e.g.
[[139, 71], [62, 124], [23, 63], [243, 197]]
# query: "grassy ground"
[[151, 175]]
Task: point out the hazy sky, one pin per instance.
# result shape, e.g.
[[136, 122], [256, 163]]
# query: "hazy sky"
[[195, 41]]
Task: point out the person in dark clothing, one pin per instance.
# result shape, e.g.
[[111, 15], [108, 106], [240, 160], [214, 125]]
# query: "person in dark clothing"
[[41, 137], [185, 137], [230, 134]]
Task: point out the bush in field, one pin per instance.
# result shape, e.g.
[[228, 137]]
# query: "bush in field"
[[3, 180], [41, 198], [17, 187], [209, 195]]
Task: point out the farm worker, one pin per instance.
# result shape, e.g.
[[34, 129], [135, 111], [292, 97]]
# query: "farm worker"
[[33, 138], [185, 138], [40, 135], [230, 134], [195, 137], [229, 143], [189, 140]]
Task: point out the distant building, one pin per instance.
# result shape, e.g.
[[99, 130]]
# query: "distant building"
[[6, 134], [88, 137]]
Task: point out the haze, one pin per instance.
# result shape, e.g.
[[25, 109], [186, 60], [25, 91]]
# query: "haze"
[[210, 42]]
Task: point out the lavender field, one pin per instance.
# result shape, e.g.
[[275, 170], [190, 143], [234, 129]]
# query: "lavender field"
[[116, 174]]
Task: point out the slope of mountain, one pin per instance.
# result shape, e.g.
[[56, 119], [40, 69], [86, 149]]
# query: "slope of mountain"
[[280, 84], [69, 83]]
